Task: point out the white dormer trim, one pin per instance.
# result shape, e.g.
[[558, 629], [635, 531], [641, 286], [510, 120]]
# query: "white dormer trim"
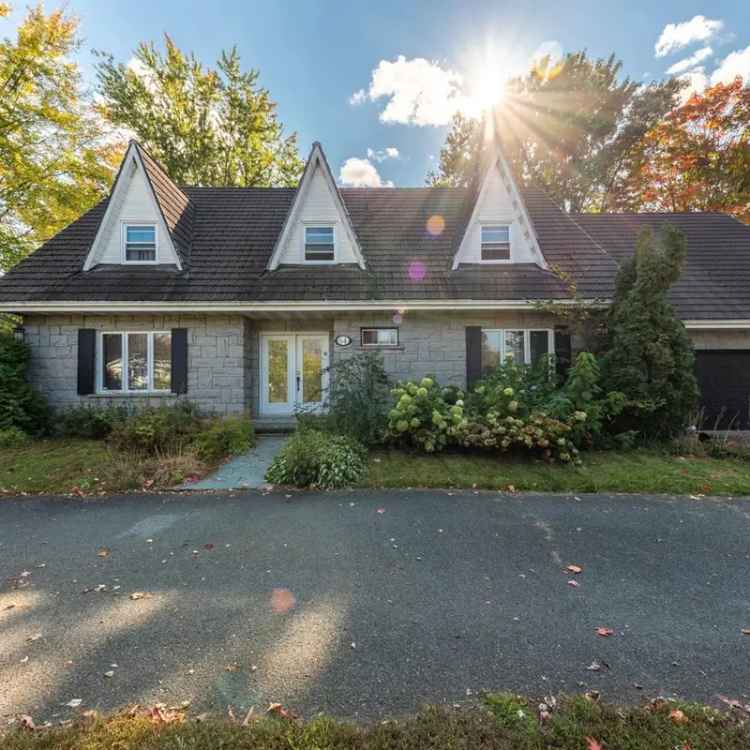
[[343, 225], [165, 249], [516, 215]]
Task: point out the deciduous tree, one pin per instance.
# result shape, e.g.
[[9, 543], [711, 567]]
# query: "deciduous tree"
[[207, 126], [696, 159], [54, 161], [571, 128]]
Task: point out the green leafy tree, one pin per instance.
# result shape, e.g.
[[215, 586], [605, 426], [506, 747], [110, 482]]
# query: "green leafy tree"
[[206, 126], [649, 355], [571, 128], [55, 161]]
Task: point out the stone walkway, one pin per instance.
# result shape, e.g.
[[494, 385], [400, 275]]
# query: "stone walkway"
[[245, 471]]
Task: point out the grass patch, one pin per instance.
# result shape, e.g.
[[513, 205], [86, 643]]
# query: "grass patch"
[[639, 470], [79, 466], [505, 722]]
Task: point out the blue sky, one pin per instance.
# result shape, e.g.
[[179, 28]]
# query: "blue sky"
[[412, 62]]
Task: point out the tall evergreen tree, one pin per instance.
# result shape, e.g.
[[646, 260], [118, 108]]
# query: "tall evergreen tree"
[[207, 126], [571, 128], [55, 162], [649, 355]]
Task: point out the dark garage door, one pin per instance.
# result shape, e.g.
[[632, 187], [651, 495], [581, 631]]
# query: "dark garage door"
[[724, 380]]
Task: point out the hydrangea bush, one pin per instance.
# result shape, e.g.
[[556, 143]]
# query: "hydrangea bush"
[[516, 407]]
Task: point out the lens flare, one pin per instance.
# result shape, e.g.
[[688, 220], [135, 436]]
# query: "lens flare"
[[417, 270], [435, 225]]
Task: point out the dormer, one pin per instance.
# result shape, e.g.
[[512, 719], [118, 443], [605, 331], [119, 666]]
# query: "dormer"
[[317, 230], [148, 219], [499, 230]]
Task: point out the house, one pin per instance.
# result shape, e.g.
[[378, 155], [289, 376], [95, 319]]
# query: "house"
[[240, 298]]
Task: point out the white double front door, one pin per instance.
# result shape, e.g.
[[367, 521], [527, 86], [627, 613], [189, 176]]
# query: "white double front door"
[[293, 372]]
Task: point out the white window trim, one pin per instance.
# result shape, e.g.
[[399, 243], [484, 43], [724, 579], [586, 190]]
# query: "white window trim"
[[124, 224], [526, 340], [323, 225], [100, 389], [378, 345], [497, 223]]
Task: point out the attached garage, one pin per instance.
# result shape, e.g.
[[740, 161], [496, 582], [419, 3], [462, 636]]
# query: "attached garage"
[[724, 380]]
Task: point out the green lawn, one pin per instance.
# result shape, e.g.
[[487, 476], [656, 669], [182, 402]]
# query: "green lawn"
[[606, 471], [65, 465], [505, 723]]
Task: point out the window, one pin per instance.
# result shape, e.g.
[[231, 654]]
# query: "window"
[[379, 336], [524, 346], [140, 243], [319, 244], [135, 362], [496, 242]]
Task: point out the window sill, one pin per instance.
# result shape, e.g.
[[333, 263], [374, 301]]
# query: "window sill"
[[141, 394], [381, 348]]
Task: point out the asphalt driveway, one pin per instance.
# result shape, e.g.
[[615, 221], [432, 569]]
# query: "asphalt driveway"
[[367, 604]]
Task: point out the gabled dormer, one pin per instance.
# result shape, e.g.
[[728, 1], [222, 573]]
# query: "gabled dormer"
[[317, 230], [148, 220], [499, 230]]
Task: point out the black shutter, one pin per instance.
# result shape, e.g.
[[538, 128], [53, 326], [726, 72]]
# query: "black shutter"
[[473, 355], [563, 352], [179, 360], [86, 361]]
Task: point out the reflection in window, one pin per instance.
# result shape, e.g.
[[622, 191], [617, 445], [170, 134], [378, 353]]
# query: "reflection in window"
[[539, 345], [135, 361], [312, 371], [162, 361], [278, 371], [514, 346], [112, 361], [521, 346], [492, 350]]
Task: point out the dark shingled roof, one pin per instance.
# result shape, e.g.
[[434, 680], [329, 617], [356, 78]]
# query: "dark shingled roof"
[[715, 283], [226, 236]]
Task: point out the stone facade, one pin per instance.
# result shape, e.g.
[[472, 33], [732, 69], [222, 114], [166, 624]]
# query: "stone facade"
[[217, 358], [430, 343], [224, 351]]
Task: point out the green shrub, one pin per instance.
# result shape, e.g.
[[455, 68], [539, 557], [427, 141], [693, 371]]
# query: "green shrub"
[[163, 429], [89, 421], [312, 458], [649, 354], [20, 405], [357, 400], [425, 415], [224, 436], [12, 437]]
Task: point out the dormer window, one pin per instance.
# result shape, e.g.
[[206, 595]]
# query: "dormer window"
[[139, 242], [319, 244], [495, 242]]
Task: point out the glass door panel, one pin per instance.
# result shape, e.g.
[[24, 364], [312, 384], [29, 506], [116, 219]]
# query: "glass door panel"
[[312, 362], [277, 378]]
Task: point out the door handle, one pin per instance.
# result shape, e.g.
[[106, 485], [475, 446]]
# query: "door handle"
[[298, 382]]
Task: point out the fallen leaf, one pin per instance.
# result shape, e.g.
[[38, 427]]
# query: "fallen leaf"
[[604, 632], [26, 721], [138, 595], [248, 716], [102, 552], [111, 673], [380, 510], [745, 631], [208, 546], [592, 744], [34, 637], [74, 702], [574, 569], [24, 660], [278, 710], [678, 716], [574, 583]]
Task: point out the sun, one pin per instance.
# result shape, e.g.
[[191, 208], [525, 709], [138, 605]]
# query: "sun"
[[487, 81]]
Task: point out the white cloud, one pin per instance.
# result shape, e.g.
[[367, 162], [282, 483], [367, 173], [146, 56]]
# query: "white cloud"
[[690, 62], [678, 35], [697, 80], [361, 173], [735, 64], [419, 92], [358, 97], [389, 152]]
